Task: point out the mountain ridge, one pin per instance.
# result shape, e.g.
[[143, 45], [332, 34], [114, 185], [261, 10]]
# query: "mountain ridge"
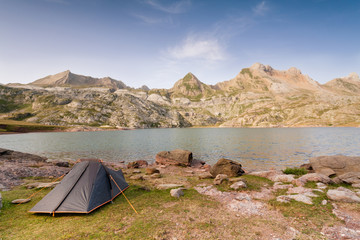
[[258, 96]]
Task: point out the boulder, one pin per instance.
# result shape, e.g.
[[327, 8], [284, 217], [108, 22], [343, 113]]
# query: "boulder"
[[228, 167], [39, 185], [220, 178], [338, 164], [283, 178], [315, 177], [62, 164], [299, 198], [168, 186], [149, 171], [176, 157], [238, 185], [177, 192], [14, 156], [18, 201], [350, 177], [137, 177], [155, 175], [205, 175], [271, 174], [343, 195], [280, 185], [137, 164]]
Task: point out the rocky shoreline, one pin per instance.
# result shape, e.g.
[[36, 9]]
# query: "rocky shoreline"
[[173, 169]]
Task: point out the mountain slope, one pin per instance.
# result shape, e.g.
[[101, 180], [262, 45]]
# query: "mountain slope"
[[349, 84], [70, 79], [259, 96]]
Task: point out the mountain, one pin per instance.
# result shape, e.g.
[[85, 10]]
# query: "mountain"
[[190, 86], [69, 79], [263, 78], [348, 85], [258, 96]]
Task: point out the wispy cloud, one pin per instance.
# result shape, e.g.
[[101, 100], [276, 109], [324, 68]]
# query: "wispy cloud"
[[261, 8], [152, 20], [172, 8], [194, 47]]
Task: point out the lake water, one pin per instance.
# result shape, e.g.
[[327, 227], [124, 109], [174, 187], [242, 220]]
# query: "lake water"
[[260, 148]]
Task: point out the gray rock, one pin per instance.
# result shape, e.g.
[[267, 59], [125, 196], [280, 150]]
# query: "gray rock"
[[228, 167], [299, 197], [339, 164], [283, 178], [315, 177], [17, 201], [137, 177], [238, 185], [342, 195], [324, 202], [39, 185], [168, 186], [205, 175], [321, 185], [350, 177], [280, 185], [266, 174], [176, 157], [220, 178], [155, 175], [151, 170], [62, 164], [178, 192]]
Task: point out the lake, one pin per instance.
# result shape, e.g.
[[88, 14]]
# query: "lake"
[[255, 148]]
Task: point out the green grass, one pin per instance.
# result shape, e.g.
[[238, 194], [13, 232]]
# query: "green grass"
[[22, 127], [116, 220], [295, 171]]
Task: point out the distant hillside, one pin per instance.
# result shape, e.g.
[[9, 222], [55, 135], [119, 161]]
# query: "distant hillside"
[[69, 79], [348, 85], [258, 96]]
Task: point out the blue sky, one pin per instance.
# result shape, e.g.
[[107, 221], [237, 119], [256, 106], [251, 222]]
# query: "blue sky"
[[156, 42]]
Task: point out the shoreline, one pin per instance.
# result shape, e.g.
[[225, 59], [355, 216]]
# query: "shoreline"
[[81, 128]]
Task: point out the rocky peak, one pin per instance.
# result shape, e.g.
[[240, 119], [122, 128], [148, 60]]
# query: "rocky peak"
[[261, 67], [190, 86], [294, 71], [353, 76]]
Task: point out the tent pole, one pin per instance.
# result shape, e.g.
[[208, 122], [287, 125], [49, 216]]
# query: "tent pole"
[[123, 194]]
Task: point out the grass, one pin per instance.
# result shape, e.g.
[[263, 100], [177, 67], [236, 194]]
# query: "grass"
[[295, 171], [23, 127], [161, 216]]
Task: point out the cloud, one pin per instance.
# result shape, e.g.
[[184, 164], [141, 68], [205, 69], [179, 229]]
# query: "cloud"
[[261, 8], [174, 8], [194, 47], [152, 20]]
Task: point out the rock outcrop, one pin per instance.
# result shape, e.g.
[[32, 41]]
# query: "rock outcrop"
[[229, 167], [335, 165], [176, 157]]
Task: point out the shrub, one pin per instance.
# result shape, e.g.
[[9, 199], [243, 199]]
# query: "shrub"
[[295, 171]]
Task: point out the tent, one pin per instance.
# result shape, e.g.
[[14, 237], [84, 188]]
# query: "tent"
[[87, 186]]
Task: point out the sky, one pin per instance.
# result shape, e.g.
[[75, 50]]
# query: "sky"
[[157, 42]]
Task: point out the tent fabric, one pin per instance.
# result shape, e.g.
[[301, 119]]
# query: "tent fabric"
[[86, 187]]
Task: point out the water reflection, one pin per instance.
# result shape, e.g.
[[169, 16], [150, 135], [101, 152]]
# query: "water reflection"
[[255, 148]]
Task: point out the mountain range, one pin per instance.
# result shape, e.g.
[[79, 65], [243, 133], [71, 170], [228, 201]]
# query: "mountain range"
[[258, 96]]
